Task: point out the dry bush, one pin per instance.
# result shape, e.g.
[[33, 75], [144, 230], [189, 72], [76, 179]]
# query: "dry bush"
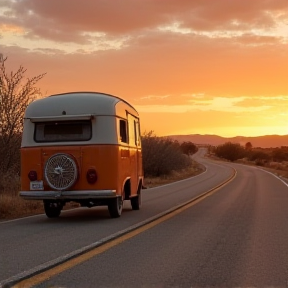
[[191, 171], [278, 166], [230, 151], [161, 156], [12, 207]]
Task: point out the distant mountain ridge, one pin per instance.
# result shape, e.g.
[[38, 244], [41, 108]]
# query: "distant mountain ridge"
[[268, 141]]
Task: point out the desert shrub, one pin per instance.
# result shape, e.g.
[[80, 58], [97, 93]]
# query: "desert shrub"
[[230, 151], [188, 148], [280, 154], [258, 155], [161, 156]]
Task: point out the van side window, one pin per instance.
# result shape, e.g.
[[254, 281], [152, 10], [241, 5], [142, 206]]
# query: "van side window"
[[132, 130], [137, 133], [123, 131]]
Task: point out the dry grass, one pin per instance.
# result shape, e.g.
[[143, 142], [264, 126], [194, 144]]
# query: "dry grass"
[[278, 172], [194, 170], [13, 206], [279, 169]]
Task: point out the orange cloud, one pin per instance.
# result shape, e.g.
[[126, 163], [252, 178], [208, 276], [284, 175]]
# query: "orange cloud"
[[8, 28], [66, 20]]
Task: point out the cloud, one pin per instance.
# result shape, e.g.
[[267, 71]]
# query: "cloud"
[[252, 39], [153, 97], [71, 21], [162, 65], [6, 28], [280, 101], [220, 104]]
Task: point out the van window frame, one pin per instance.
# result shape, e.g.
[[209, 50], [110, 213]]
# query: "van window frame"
[[63, 123], [137, 133], [134, 136], [123, 129]]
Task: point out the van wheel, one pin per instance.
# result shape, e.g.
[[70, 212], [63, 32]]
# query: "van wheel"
[[115, 207], [52, 209], [136, 202]]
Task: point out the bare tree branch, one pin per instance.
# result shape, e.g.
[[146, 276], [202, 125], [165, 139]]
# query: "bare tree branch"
[[16, 93]]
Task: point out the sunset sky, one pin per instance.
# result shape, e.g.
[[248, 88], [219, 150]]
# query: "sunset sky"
[[188, 66]]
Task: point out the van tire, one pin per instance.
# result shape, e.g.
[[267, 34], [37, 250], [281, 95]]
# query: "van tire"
[[115, 207], [52, 209], [136, 202]]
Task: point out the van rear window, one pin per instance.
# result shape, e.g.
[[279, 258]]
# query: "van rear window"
[[63, 131]]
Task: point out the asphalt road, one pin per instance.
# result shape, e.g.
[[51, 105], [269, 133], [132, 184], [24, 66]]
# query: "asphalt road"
[[237, 237]]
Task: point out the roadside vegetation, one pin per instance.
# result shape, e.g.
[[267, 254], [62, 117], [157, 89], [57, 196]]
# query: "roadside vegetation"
[[162, 156], [271, 159], [166, 161]]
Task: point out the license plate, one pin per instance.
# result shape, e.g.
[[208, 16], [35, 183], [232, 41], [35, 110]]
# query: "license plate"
[[36, 185]]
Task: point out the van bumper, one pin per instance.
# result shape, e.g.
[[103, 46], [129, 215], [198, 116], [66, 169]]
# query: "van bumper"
[[79, 194]]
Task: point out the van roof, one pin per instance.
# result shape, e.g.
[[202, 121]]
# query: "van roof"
[[76, 103]]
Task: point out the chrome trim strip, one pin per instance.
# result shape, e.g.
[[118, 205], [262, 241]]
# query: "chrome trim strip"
[[61, 118], [78, 194]]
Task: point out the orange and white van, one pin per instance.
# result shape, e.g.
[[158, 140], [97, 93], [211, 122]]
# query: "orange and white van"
[[83, 147]]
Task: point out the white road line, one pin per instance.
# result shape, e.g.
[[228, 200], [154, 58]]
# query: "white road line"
[[285, 183], [261, 169]]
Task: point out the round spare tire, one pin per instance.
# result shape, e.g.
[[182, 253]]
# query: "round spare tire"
[[60, 171]]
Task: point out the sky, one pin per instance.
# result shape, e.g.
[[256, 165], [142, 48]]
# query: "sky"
[[188, 66]]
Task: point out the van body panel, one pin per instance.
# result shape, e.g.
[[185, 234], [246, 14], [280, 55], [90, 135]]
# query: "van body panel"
[[103, 158]]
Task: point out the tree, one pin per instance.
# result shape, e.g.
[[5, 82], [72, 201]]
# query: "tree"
[[248, 146], [16, 93]]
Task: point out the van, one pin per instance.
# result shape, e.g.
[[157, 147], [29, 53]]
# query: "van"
[[83, 147]]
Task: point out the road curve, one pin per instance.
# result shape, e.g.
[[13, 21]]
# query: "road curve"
[[236, 237]]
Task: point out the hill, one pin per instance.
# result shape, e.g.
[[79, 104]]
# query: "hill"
[[268, 141]]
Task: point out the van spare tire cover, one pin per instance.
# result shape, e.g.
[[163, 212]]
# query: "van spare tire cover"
[[60, 171]]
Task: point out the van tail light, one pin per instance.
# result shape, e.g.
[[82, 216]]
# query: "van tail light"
[[32, 175], [91, 176]]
